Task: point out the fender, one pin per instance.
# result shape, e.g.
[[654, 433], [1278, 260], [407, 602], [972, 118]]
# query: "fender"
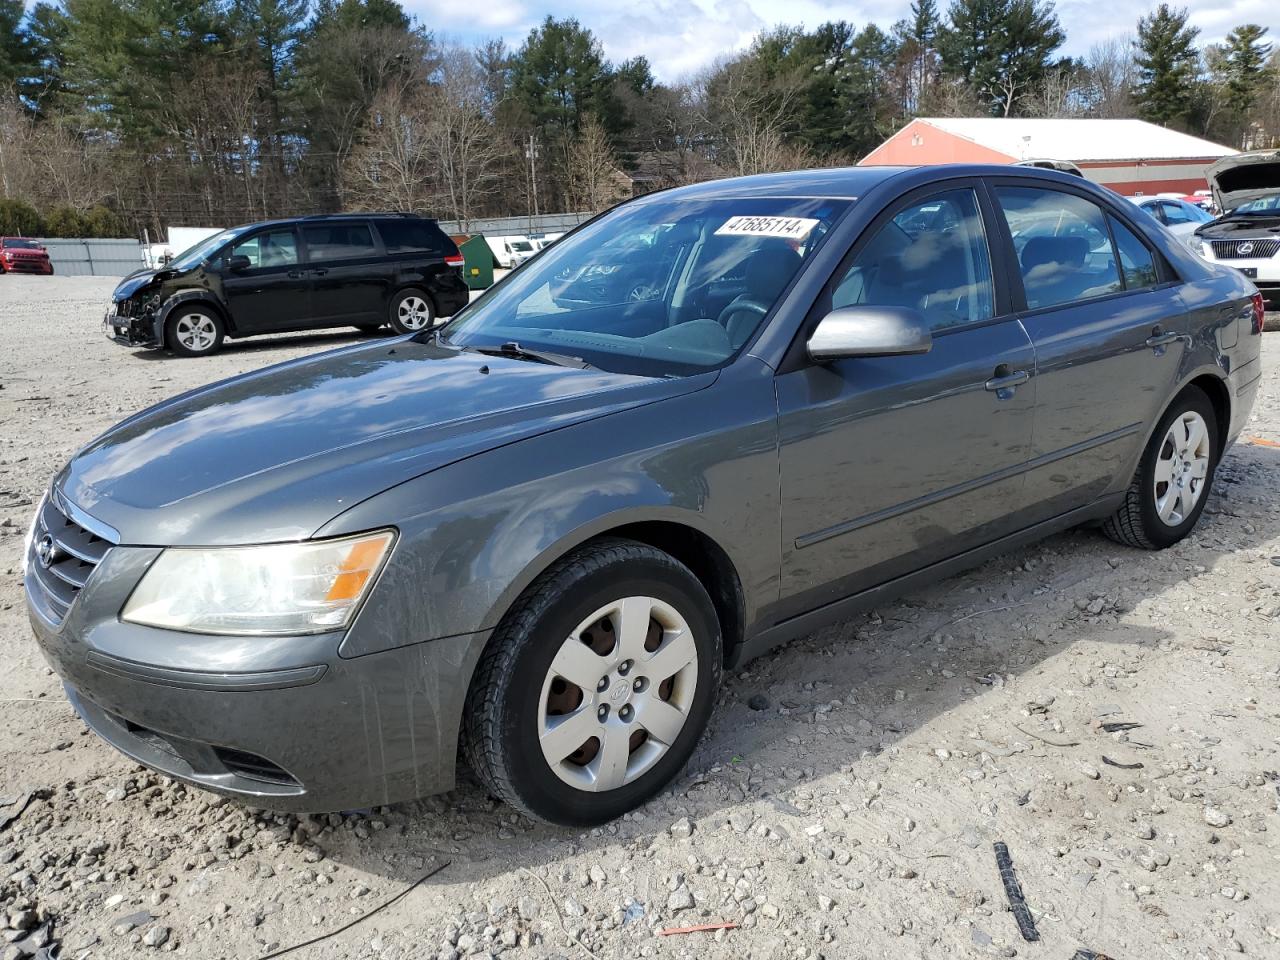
[[187, 296]]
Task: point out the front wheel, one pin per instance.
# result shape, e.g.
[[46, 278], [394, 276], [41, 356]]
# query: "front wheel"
[[411, 311], [596, 686], [1169, 490], [193, 331]]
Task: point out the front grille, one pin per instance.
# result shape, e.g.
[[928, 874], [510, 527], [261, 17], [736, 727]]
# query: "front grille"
[[71, 553], [1253, 249]]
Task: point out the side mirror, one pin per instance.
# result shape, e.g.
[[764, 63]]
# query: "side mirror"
[[868, 331], [237, 263]]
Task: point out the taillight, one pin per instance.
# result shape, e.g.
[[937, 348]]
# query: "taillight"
[[454, 260], [1259, 312]]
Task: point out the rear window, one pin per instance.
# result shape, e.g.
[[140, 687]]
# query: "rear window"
[[339, 241], [413, 236]]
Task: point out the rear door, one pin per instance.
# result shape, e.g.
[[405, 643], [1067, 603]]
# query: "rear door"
[[1102, 309], [350, 273], [273, 292], [889, 464]]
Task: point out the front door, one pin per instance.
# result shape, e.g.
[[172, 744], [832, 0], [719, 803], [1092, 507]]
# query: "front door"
[[271, 291], [889, 464], [1109, 331]]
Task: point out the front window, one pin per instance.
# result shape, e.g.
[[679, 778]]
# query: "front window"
[[17, 244], [273, 248], [195, 255], [660, 287]]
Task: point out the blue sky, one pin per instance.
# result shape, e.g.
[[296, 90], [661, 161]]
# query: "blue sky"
[[680, 36]]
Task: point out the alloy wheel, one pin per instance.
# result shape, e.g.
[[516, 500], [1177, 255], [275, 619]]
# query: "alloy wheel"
[[196, 332], [617, 694], [1181, 468], [414, 313]]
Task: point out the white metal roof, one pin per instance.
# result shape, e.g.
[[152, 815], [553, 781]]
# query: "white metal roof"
[[1078, 140]]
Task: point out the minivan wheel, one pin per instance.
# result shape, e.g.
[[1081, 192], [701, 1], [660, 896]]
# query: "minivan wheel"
[[1169, 491], [193, 332], [596, 686], [411, 311]]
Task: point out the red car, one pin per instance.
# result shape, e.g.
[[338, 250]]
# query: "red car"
[[22, 255]]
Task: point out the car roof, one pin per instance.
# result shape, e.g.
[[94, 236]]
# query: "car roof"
[[849, 182], [333, 218]]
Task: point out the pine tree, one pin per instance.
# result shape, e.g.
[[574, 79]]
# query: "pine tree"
[[1000, 48], [1246, 65], [1167, 59]]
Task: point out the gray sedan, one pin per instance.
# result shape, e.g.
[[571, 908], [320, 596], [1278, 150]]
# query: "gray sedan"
[[541, 532]]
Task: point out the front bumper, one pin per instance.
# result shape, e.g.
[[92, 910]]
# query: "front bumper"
[[284, 723], [130, 331], [1264, 272], [38, 267]]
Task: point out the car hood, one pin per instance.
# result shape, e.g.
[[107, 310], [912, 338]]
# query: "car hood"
[[135, 281], [1243, 177], [276, 454]]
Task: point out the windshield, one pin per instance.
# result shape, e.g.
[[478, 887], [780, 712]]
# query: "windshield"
[[523, 246], [193, 256], [1266, 206], [21, 244], [661, 287]]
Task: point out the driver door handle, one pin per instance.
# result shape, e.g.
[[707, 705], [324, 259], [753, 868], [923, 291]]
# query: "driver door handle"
[[1006, 381], [296, 274], [1160, 338], [318, 273]]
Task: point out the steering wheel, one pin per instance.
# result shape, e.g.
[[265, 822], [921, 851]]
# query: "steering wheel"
[[739, 305]]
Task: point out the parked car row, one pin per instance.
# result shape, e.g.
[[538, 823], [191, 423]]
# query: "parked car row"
[[309, 273]]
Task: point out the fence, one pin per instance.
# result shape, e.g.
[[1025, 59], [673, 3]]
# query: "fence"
[[515, 226], [94, 258]]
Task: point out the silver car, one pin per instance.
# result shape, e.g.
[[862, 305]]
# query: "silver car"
[[542, 532]]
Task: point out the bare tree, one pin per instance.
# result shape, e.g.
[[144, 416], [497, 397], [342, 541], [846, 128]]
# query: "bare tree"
[[1112, 76], [1063, 92], [750, 119], [469, 151], [393, 166], [594, 179]]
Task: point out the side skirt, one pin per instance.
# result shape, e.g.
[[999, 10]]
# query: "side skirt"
[[838, 610]]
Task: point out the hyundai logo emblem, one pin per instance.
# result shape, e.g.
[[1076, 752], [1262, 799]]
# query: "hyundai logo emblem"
[[1245, 248], [46, 551]]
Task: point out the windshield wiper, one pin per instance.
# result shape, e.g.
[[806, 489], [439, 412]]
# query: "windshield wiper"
[[517, 352]]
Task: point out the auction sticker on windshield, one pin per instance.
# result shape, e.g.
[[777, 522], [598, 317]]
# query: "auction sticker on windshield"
[[788, 228]]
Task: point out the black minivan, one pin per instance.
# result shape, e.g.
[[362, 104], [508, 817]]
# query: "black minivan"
[[308, 273]]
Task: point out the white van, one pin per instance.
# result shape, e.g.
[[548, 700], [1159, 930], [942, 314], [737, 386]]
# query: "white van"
[[510, 252]]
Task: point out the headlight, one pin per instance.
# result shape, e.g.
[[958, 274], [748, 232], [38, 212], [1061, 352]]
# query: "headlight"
[[31, 534], [284, 588]]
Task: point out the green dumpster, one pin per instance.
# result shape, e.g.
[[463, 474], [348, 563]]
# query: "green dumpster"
[[477, 263]]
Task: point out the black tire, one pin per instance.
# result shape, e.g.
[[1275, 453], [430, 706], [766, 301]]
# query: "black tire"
[[502, 712], [181, 343], [397, 317], [1137, 523]]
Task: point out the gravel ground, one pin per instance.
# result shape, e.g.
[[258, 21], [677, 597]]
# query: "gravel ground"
[[1113, 716]]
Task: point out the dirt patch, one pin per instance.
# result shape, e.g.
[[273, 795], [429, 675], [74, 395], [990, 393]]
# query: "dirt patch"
[[1113, 716]]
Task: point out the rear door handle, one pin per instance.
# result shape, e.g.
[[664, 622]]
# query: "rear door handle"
[[1005, 382], [296, 274], [318, 273]]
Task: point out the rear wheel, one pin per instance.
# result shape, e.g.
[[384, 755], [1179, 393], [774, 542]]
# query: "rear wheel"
[[411, 311], [193, 331], [596, 687], [1169, 490]]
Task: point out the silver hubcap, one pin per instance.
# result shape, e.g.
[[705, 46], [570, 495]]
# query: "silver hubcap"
[[195, 331], [1182, 468], [618, 694], [414, 313]]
